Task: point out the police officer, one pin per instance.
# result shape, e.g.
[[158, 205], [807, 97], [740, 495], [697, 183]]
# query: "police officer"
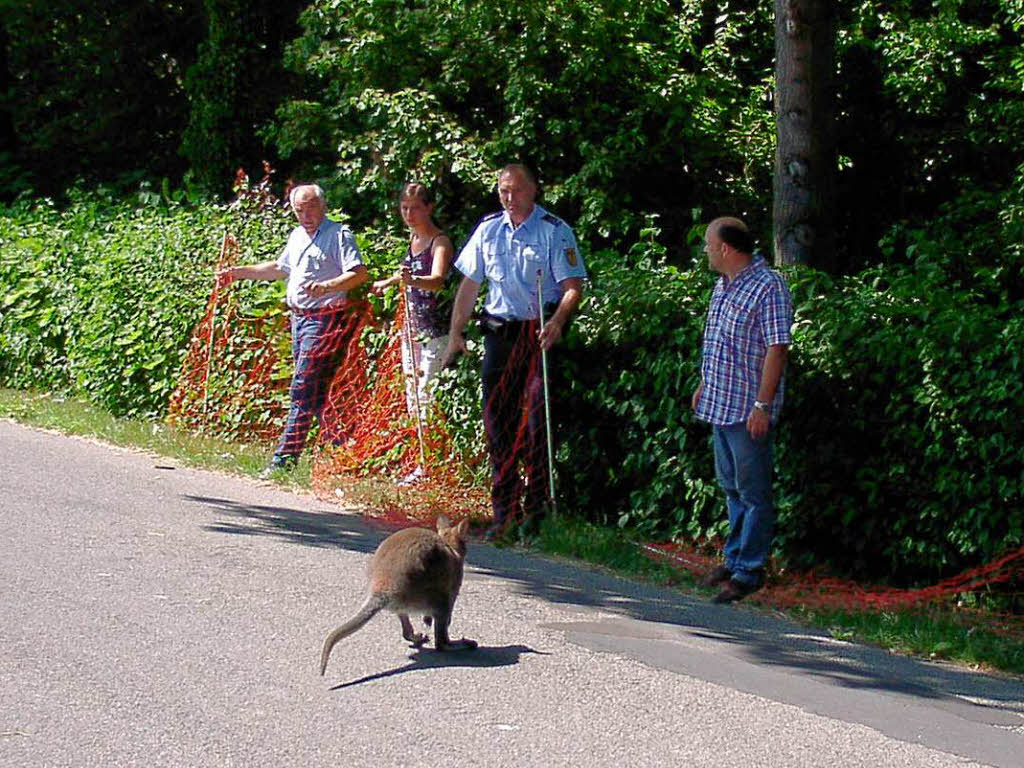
[[511, 250]]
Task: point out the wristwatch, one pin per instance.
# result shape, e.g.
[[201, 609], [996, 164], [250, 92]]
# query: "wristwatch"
[[761, 405]]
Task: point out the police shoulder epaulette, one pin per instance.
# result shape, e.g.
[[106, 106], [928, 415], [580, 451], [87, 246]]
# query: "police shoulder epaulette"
[[552, 220], [485, 219]]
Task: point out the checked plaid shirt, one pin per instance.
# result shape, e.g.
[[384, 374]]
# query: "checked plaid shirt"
[[747, 315]]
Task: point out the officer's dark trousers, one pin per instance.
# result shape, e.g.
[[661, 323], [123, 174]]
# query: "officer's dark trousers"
[[513, 394]]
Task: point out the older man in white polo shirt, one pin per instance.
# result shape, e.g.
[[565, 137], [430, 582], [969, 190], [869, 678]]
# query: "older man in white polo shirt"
[[321, 263]]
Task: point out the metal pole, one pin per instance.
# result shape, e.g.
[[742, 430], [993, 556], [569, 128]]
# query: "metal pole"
[[407, 333], [547, 398], [213, 324]]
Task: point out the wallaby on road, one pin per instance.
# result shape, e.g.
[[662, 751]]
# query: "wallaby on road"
[[413, 570]]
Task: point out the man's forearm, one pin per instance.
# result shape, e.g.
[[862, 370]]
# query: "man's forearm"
[[267, 270], [569, 302], [348, 281], [462, 310], [771, 372]]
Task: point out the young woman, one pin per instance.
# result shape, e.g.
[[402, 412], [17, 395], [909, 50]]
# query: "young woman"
[[423, 274]]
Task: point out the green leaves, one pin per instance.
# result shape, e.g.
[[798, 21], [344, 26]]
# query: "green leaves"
[[103, 298], [603, 97]]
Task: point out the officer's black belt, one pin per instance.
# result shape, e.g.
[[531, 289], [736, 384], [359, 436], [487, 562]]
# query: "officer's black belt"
[[499, 326]]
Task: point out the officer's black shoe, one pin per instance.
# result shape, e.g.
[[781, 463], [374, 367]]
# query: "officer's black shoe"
[[719, 575]]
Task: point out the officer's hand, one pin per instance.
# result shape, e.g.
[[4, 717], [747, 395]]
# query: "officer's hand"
[[696, 397], [549, 334], [758, 423], [379, 286], [456, 346], [226, 277]]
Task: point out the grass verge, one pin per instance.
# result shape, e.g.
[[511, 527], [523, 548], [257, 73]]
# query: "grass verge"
[[77, 417], [939, 633]]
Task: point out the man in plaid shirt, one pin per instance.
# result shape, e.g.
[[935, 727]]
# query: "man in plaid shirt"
[[746, 342]]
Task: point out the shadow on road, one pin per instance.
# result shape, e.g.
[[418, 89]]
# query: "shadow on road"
[[427, 658], [755, 636]]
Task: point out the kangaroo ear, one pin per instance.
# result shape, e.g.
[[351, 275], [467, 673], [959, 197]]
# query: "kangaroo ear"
[[462, 528], [443, 523]]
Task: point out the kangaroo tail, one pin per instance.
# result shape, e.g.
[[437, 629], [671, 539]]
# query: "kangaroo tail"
[[370, 608]]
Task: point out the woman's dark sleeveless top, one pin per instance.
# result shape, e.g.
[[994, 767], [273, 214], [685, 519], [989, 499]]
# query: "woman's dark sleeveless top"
[[430, 311]]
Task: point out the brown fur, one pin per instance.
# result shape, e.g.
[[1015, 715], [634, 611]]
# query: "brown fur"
[[414, 570]]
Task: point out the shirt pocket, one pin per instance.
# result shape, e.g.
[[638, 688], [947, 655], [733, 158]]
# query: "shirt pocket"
[[738, 320], [315, 258], [494, 264], [532, 254]]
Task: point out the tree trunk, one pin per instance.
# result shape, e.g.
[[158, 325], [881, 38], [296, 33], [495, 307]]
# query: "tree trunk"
[[805, 163]]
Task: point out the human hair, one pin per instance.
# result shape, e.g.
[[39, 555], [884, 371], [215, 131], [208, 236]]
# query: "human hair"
[[318, 193], [528, 174], [733, 232], [414, 189], [737, 238]]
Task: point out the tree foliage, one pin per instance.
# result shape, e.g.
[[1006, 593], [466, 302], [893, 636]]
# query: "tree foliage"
[[629, 109], [623, 107], [95, 90], [234, 86], [626, 108]]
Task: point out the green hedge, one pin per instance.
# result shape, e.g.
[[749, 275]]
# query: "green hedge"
[[898, 453], [100, 298]]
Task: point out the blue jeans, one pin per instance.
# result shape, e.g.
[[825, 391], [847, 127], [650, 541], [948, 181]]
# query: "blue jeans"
[[315, 345], [744, 470]]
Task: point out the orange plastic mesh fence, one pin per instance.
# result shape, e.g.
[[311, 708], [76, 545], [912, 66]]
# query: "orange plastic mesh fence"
[[367, 434], [232, 386], [368, 438], [237, 401], [825, 593]]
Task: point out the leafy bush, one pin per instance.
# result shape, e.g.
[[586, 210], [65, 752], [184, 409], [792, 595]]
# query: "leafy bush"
[[620, 105], [102, 298], [901, 451], [898, 449]]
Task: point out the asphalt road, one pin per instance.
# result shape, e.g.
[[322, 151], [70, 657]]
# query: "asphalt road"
[[159, 616]]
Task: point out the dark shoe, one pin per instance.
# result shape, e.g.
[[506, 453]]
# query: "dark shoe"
[[278, 464], [500, 533], [733, 591], [716, 576]]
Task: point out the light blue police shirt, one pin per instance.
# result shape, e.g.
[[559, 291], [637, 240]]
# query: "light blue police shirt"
[[330, 252], [509, 258]]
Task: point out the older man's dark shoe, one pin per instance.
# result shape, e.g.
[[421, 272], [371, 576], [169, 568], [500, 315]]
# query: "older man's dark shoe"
[[713, 578], [733, 591], [279, 465]]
